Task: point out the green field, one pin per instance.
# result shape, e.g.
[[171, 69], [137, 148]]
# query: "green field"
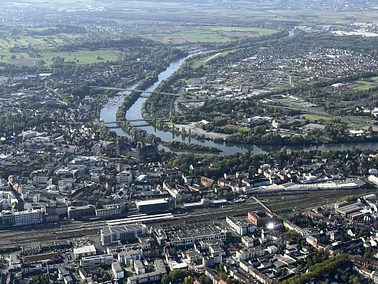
[[284, 100], [365, 85], [43, 48], [82, 56], [182, 35], [373, 79], [259, 31], [202, 35], [204, 60], [315, 117]]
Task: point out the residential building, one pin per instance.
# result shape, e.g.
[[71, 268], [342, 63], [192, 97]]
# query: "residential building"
[[96, 260]]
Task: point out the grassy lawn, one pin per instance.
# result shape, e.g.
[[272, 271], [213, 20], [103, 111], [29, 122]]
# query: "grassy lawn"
[[285, 100], [315, 117]]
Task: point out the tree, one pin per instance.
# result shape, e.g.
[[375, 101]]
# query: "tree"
[[203, 279], [188, 280]]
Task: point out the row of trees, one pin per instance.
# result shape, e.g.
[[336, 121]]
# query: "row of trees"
[[322, 271]]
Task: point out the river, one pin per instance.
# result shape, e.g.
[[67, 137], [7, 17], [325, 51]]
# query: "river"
[[108, 114]]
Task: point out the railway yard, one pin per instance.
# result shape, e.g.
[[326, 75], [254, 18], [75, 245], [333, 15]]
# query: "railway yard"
[[75, 229]]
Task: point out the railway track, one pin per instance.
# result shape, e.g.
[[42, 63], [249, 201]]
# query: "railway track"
[[21, 236]]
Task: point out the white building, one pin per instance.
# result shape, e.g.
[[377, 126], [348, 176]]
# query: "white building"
[[118, 272], [115, 234], [125, 177], [96, 260], [249, 253], [373, 179], [128, 257], [84, 251], [248, 241], [239, 226], [29, 217], [139, 267]]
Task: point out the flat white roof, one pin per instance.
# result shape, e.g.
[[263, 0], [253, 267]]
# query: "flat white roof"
[[151, 202], [84, 250]]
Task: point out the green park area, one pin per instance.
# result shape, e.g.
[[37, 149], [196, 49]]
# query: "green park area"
[[315, 117]]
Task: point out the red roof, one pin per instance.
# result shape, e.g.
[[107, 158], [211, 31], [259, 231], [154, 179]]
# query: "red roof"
[[41, 257]]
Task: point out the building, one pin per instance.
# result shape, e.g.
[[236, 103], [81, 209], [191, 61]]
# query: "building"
[[240, 227], [125, 177], [110, 210], [245, 254], [208, 261], [139, 267], [38, 258], [6, 219], [207, 182], [291, 226], [41, 181], [28, 217], [248, 241], [151, 277], [312, 241], [84, 251], [113, 235], [128, 257], [260, 218], [62, 272], [96, 260], [59, 209], [118, 272], [373, 179], [80, 212], [153, 205]]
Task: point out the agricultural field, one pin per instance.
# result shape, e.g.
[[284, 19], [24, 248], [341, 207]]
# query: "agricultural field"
[[27, 49], [257, 31], [82, 56]]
